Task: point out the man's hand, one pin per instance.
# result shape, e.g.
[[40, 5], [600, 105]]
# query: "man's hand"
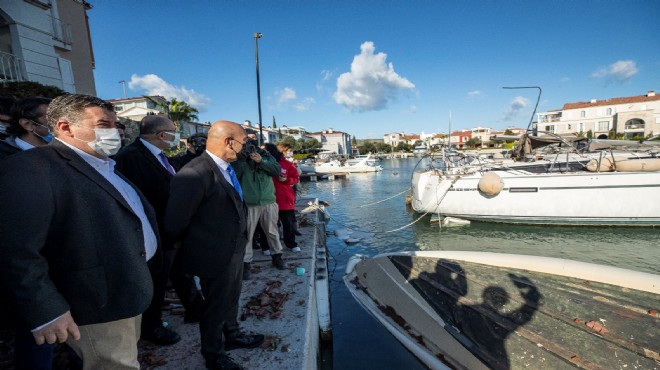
[[58, 330], [255, 157]]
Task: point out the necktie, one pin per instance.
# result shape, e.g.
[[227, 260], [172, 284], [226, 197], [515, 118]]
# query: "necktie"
[[234, 180], [166, 163]]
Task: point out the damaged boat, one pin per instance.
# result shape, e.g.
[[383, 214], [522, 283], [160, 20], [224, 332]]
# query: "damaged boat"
[[479, 310]]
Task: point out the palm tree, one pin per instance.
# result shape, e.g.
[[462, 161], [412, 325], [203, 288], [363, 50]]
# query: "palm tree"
[[177, 110]]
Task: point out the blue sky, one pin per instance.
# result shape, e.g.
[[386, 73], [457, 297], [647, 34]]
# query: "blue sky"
[[374, 67]]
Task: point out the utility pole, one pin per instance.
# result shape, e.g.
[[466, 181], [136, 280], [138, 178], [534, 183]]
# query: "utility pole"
[[123, 85]]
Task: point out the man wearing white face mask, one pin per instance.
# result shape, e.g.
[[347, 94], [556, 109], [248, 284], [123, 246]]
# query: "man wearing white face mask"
[[145, 165], [75, 246]]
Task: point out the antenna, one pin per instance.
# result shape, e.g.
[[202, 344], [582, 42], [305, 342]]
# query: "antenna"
[[538, 98]]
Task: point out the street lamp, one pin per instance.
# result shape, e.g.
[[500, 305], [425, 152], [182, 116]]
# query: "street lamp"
[[257, 36]]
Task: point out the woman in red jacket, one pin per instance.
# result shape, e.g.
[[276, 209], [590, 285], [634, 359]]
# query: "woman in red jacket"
[[284, 194]]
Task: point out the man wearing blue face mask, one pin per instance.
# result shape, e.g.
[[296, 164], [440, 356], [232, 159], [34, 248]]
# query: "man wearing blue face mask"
[[27, 126], [145, 165], [76, 238]]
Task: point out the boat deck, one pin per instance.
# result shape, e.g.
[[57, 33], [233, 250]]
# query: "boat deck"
[[513, 318]]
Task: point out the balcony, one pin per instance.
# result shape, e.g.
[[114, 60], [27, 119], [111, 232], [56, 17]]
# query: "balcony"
[[10, 68], [62, 32]]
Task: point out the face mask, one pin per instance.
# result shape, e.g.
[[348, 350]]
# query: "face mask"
[[107, 143], [48, 137], [175, 141]]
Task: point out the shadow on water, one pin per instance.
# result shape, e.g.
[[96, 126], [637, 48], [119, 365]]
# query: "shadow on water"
[[481, 326]]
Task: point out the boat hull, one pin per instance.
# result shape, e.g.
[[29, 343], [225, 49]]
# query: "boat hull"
[[477, 310], [612, 199]]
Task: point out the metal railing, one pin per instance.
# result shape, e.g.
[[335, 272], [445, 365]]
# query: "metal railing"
[[62, 31], [10, 67]]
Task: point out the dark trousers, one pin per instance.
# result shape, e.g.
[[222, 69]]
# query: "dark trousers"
[[153, 316], [288, 220], [218, 322], [28, 355], [186, 289]]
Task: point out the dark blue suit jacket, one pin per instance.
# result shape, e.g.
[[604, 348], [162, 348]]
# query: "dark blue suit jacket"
[[206, 214], [69, 241]]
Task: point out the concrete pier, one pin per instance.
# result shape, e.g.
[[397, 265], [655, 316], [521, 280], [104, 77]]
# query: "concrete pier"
[[290, 307]]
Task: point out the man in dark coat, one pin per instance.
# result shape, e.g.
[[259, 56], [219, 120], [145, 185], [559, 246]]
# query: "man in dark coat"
[[146, 166], [207, 215], [75, 243]]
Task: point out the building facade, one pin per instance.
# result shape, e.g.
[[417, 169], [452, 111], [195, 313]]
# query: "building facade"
[[47, 41], [334, 141], [630, 117]]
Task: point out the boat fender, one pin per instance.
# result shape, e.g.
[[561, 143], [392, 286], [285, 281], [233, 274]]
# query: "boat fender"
[[491, 183], [352, 261], [605, 165]]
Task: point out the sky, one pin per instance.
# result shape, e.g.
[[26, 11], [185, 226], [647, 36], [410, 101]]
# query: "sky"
[[369, 67]]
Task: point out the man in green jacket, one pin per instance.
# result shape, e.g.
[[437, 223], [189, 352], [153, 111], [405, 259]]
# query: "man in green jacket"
[[255, 169]]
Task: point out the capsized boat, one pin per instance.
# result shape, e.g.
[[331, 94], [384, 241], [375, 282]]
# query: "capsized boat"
[[479, 310]]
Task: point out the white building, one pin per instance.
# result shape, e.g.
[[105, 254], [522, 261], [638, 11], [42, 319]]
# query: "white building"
[[394, 139], [334, 141], [47, 41], [297, 132], [634, 116]]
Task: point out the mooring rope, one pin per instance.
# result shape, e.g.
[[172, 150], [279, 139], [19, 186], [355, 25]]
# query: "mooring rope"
[[383, 200]]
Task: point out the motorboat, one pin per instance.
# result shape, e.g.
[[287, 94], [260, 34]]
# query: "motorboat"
[[420, 150], [336, 166], [371, 160], [480, 310]]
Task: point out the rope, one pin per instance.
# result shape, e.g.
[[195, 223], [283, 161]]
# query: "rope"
[[380, 201]]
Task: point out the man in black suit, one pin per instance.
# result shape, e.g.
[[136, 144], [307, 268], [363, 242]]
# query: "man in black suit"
[[206, 213], [146, 166], [76, 237]]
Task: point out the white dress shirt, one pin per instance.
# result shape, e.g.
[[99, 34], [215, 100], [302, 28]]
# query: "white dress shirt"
[[155, 151]]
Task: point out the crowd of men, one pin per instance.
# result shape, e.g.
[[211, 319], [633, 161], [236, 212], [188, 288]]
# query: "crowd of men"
[[94, 231]]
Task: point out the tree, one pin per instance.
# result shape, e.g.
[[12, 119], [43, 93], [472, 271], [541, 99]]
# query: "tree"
[[24, 89], [472, 143], [176, 110], [274, 123], [383, 148], [290, 140], [354, 140], [508, 132], [590, 134]]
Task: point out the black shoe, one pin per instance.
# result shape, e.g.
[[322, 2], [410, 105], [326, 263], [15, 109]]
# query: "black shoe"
[[278, 262], [222, 362], [244, 341], [161, 336], [246, 270]]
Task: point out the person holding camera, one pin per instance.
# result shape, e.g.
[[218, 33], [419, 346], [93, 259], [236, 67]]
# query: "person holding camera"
[[255, 168]]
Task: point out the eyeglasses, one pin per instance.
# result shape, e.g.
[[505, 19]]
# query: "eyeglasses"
[[241, 142]]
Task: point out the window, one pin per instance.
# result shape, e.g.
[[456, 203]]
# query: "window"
[[609, 111], [583, 114], [603, 125], [550, 128], [118, 108], [569, 126], [580, 127]]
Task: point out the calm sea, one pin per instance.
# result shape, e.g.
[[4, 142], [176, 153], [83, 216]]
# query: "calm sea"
[[361, 202]]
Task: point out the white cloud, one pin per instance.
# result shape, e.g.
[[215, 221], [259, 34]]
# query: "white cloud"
[[285, 95], [305, 104], [371, 84], [326, 75], [474, 94], [619, 71], [154, 85], [517, 104], [413, 109]]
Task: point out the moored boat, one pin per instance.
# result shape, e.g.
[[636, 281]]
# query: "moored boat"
[[478, 310]]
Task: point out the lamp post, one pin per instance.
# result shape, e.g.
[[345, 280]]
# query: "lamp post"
[[257, 36], [123, 85]]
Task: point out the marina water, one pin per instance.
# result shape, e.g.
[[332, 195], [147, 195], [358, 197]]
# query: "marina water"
[[375, 203]]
